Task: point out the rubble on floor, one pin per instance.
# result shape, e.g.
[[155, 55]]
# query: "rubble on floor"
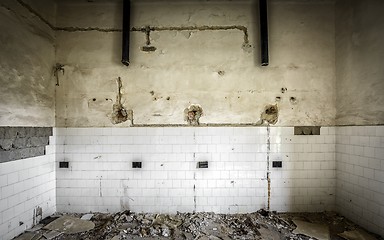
[[198, 226]]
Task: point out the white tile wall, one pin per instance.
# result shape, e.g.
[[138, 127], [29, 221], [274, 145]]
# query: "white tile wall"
[[25, 185], [307, 180], [360, 175], [100, 177]]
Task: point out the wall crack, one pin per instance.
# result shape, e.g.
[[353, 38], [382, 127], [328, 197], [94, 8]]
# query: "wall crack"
[[146, 29], [34, 12]]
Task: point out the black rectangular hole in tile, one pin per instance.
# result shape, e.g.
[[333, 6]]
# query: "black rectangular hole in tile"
[[136, 164], [203, 164], [63, 164], [277, 164]]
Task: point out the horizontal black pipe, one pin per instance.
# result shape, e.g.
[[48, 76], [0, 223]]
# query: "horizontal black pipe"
[[126, 31], [264, 32]]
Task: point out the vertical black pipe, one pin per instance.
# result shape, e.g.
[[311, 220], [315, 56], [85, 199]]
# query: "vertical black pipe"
[[264, 32], [126, 31]]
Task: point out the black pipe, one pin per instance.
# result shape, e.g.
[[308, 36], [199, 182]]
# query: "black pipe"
[[264, 32], [126, 31]]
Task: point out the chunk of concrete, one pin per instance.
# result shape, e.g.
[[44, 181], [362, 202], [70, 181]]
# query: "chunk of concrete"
[[87, 216], [26, 236], [70, 225], [51, 234], [268, 234], [357, 234], [318, 231]]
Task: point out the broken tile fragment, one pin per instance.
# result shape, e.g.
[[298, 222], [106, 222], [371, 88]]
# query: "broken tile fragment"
[[70, 225], [357, 234], [314, 230], [87, 216], [51, 235], [26, 236], [35, 228]]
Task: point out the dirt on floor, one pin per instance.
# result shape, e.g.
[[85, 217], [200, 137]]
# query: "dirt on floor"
[[203, 226]]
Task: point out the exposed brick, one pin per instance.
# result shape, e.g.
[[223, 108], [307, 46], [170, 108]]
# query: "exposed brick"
[[10, 132], [4, 156], [22, 132], [23, 142], [5, 144], [20, 143], [2, 132], [36, 151], [37, 141]]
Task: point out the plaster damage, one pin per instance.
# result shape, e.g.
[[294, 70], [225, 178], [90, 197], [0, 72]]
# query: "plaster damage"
[[192, 114], [270, 115], [119, 113], [214, 64]]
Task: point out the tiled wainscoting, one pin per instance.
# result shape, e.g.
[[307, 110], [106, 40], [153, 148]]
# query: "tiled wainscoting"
[[341, 169], [360, 175], [27, 193], [100, 176]]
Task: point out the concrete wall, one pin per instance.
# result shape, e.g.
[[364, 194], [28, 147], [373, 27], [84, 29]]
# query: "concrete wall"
[[27, 58], [359, 55], [360, 175], [27, 194], [100, 176], [360, 86], [212, 68]]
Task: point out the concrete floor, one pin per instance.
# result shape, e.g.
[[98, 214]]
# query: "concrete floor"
[[204, 226]]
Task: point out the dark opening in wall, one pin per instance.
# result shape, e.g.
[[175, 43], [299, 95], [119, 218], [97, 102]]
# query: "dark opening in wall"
[[63, 164], [136, 164], [203, 164]]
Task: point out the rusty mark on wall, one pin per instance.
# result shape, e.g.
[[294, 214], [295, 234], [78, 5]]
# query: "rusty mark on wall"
[[120, 114]]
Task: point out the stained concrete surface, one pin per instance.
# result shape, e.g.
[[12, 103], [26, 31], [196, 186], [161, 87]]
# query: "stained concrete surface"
[[359, 68], [204, 226], [70, 225], [27, 55], [208, 67], [357, 234], [318, 231]]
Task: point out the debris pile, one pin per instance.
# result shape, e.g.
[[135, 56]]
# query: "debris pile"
[[203, 226]]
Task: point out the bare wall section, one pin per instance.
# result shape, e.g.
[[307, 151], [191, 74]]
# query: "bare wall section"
[[359, 57], [196, 62], [26, 62]]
